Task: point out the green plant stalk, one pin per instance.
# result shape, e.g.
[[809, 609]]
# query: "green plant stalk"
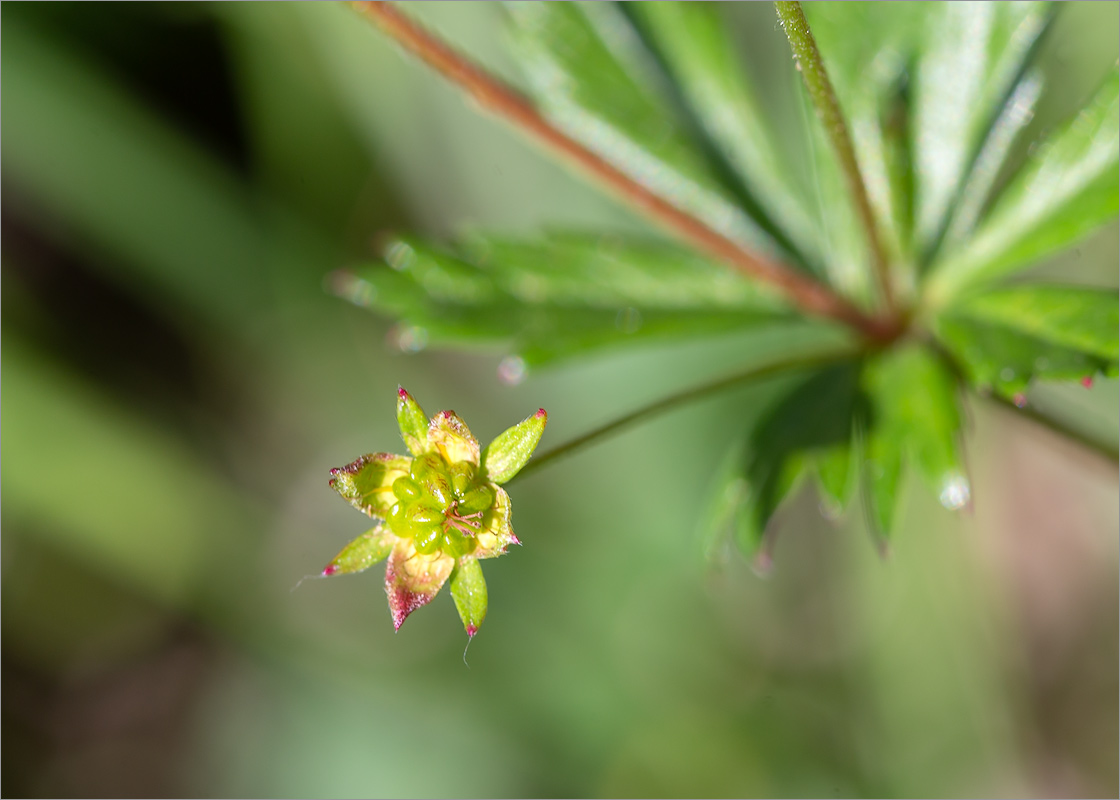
[[809, 63], [682, 398]]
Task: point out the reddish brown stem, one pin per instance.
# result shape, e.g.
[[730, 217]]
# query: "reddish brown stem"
[[801, 290]]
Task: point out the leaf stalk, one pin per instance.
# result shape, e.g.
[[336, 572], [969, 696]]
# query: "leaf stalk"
[[823, 96], [704, 390]]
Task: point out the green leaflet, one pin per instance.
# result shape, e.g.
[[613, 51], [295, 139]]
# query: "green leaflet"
[[813, 421], [545, 301], [865, 70], [914, 415], [606, 271], [971, 54], [591, 75], [963, 59], [1007, 337], [697, 48], [1016, 114], [1067, 188]]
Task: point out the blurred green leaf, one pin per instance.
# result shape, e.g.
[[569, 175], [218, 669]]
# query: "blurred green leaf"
[[110, 490], [866, 49], [961, 60], [591, 75], [304, 149], [813, 421], [696, 45], [523, 294], [970, 54], [837, 476], [613, 272], [1068, 188], [914, 416], [915, 148], [1017, 112], [1007, 337], [127, 181]]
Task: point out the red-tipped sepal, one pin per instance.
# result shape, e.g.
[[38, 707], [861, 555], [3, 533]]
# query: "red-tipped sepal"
[[468, 589], [367, 484], [413, 423], [510, 451], [448, 434], [362, 553], [412, 579], [497, 532]]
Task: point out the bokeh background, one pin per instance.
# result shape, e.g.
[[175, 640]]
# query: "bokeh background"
[[178, 181]]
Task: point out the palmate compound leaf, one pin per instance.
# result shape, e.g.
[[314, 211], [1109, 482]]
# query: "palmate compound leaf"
[[957, 63], [561, 296], [1007, 337], [591, 75]]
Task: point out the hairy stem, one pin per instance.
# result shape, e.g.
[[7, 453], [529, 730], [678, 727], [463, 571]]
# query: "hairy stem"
[[1108, 451], [679, 399], [812, 70], [493, 94]]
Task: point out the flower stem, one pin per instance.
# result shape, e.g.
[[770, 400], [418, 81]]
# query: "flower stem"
[[809, 63], [681, 398], [493, 94]]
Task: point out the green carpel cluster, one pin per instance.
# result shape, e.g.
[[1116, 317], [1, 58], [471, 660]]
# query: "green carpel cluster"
[[440, 505]]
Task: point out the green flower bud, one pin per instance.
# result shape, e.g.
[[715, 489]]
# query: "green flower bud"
[[441, 511]]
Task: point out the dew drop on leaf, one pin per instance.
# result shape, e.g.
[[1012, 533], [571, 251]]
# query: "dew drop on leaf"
[[511, 370], [955, 491], [762, 564], [350, 287], [830, 509], [629, 320], [408, 338], [400, 256]]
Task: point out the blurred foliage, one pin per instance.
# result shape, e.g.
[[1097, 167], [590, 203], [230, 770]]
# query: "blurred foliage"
[[178, 379], [595, 75]]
